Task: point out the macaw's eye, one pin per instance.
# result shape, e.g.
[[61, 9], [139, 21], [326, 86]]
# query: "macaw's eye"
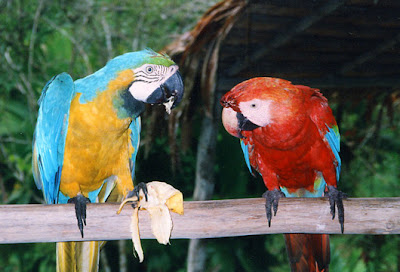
[[253, 105], [149, 69]]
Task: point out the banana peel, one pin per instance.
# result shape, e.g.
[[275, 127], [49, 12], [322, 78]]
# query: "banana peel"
[[161, 198]]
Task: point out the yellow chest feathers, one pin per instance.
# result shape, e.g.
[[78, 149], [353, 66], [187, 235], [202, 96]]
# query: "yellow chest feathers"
[[97, 144]]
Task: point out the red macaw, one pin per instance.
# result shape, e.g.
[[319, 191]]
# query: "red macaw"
[[289, 135]]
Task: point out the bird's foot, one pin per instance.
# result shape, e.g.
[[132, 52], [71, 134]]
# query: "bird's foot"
[[134, 196], [336, 200], [136, 191], [80, 210], [271, 202]]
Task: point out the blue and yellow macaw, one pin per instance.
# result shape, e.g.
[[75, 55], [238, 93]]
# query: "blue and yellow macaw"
[[87, 137]]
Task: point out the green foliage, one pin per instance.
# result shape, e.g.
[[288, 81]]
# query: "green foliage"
[[28, 257], [39, 39]]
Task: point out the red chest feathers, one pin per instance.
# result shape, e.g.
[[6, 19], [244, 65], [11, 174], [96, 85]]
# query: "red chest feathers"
[[292, 154]]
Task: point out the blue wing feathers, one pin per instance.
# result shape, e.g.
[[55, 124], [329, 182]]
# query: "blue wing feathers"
[[245, 150], [50, 134], [333, 138], [135, 128]]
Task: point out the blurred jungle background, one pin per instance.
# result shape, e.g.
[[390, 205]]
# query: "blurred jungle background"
[[39, 39]]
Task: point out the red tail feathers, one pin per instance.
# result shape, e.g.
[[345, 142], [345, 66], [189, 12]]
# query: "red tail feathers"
[[308, 252]]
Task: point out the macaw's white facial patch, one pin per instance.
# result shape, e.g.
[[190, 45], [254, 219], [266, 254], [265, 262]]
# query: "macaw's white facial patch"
[[148, 78], [257, 111]]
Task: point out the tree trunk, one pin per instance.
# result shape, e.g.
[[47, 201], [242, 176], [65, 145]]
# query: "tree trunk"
[[123, 262], [204, 186], [197, 255]]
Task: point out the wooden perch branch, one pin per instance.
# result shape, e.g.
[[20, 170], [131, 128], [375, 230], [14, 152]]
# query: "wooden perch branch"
[[202, 219]]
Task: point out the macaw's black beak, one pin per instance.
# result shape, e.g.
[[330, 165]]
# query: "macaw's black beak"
[[244, 123], [169, 93], [173, 87]]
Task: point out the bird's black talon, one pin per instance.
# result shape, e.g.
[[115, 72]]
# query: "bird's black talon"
[[135, 192], [336, 200], [271, 203], [80, 210]]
